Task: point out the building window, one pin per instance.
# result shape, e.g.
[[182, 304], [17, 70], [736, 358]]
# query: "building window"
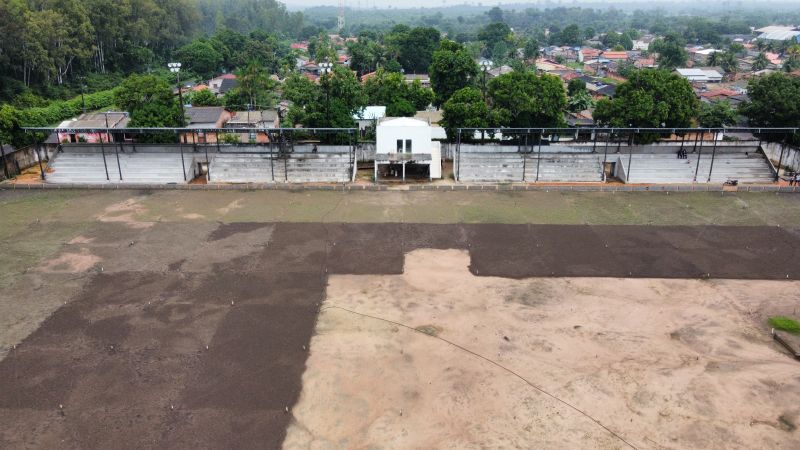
[[408, 145], [399, 146]]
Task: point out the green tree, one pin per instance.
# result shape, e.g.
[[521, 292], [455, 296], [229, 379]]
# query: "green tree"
[[671, 51], [150, 102], [580, 101], [204, 98], [401, 108], [761, 62], [729, 63], [452, 69], [464, 109], [774, 101], [575, 85], [200, 57], [717, 114], [493, 33], [531, 48], [523, 99], [339, 97], [649, 99], [419, 96], [413, 47], [254, 89]]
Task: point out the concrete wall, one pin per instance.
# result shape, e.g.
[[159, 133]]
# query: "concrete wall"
[[791, 155]]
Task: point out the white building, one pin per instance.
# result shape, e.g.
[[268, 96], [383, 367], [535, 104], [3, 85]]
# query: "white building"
[[402, 141]]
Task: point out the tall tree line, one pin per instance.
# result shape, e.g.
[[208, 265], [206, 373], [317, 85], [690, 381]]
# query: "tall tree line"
[[49, 42]]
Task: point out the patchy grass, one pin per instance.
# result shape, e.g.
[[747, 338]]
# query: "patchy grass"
[[784, 323]]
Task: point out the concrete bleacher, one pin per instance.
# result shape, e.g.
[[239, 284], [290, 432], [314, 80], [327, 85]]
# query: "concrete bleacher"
[[745, 164], [565, 167], [88, 168], [498, 167], [516, 167], [294, 168], [245, 168]]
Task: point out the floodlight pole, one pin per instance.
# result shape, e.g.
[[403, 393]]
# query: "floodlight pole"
[[176, 69]]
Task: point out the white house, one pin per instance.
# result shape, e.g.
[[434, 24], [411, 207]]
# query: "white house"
[[404, 140]]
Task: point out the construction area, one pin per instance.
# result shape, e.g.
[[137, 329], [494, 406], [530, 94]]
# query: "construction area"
[[318, 319]]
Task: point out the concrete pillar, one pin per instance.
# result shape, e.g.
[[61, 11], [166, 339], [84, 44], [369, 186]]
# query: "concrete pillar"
[[404, 171], [376, 170]]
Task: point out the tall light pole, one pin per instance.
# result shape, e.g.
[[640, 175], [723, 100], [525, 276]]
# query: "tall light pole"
[[486, 66], [325, 69], [175, 67]]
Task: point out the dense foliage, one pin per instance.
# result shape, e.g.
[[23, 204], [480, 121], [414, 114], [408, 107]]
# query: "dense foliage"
[[650, 99]]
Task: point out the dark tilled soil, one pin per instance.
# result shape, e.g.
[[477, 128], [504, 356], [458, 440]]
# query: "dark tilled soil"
[[127, 356]]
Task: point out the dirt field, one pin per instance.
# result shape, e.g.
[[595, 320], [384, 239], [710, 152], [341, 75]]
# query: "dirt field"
[[662, 363], [172, 320]]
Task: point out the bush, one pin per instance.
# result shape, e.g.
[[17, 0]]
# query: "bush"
[[784, 323]]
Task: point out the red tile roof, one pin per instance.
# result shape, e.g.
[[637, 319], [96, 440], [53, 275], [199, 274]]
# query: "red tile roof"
[[590, 52], [718, 93], [615, 55]]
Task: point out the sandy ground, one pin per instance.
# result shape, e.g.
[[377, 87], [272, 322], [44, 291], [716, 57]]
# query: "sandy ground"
[[662, 363]]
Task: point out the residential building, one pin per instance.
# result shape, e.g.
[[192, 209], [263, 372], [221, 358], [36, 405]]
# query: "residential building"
[[112, 120], [204, 117]]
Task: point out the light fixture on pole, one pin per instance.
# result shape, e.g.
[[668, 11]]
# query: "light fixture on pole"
[[175, 67], [325, 68], [486, 66]]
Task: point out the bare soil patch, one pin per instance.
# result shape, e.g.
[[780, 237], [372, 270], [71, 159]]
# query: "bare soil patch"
[[126, 355], [663, 363]]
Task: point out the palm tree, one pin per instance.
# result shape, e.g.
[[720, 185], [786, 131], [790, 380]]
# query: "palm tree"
[[714, 58], [761, 62], [730, 63]]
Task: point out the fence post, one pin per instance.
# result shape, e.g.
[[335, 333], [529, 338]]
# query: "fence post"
[[105, 163], [539, 155], [699, 155], [457, 159], [3, 157], [208, 163], [39, 157], [605, 153], [116, 152], [630, 159], [183, 163], [713, 155], [524, 157]]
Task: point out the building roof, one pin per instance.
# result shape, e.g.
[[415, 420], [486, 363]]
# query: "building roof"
[[432, 117], [403, 122], [590, 52], [228, 84], [370, 113], [204, 114], [718, 93], [502, 70], [116, 119], [253, 117], [615, 55], [699, 74], [779, 35]]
